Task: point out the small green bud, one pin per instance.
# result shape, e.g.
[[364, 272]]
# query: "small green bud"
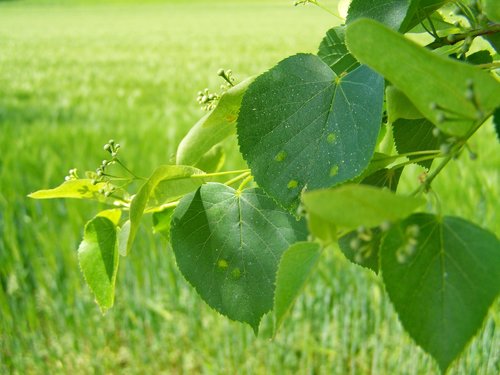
[[469, 94], [444, 148], [111, 141], [221, 72], [93, 181], [440, 117], [452, 38], [469, 84], [436, 132], [107, 147], [433, 106]]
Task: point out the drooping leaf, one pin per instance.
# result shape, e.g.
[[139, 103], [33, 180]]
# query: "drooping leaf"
[[351, 205], [437, 86], [79, 189], [162, 222], [212, 128], [166, 183], [492, 9], [228, 244], [399, 106], [294, 269], [389, 12], [442, 275], [362, 247], [301, 125], [416, 135], [98, 257], [334, 53]]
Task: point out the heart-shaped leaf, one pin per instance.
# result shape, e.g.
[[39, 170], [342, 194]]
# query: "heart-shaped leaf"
[[228, 245], [300, 125], [442, 275], [333, 51]]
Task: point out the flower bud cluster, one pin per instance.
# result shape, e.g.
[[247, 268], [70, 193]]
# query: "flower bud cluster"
[[406, 251], [362, 244], [72, 175], [207, 100]]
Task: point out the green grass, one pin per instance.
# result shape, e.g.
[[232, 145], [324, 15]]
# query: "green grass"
[[71, 77]]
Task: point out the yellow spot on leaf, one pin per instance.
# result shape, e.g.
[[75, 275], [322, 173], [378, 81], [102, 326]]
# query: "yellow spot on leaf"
[[222, 263], [334, 170], [292, 184], [280, 156]]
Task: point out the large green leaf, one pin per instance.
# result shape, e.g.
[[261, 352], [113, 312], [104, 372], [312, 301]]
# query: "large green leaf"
[[79, 189], [492, 9], [301, 125], [415, 135], [352, 205], [98, 257], [166, 183], [428, 80], [390, 12], [212, 128], [295, 267], [334, 53], [442, 275], [228, 244]]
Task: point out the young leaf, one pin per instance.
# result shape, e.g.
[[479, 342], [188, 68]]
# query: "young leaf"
[[212, 128], [334, 53], [228, 244], [79, 189], [351, 206], [98, 257], [296, 265], [389, 12], [362, 247], [415, 135], [301, 125], [166, 183], [442, 275], [439, 87], [399, 106]]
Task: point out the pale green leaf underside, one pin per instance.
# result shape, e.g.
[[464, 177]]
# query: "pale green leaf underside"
[[351, 206], [425, 78], [295, 267], [299, 125], [334, 53], [79, 189], [212, 128], [166, 183], [399, 106], [98, 257], [442, 282], [228, 245]]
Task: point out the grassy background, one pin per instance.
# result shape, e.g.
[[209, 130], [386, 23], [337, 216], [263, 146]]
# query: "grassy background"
[[74, 75]]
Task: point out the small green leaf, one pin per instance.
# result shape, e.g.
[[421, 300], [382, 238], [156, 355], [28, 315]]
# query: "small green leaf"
[[162, 221], [388, 178], [480, 57], [399, 106], [296, 265], [437, 86], [123, 236], [442, 275], [214, 127], [492, 9], [79, 189], [334, 53], [496, 122], [419, 10], [228, 244], [362, 247], [351, 205], [301, 125], [213, 160], [389, 12], [322, 230], [98, 257], [167, 182], [416, 135]]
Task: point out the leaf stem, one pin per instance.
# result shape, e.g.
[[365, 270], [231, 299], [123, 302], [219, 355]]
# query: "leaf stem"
[[162, 207], [217, 174], [237, 178], [244, 182], [129, 171]]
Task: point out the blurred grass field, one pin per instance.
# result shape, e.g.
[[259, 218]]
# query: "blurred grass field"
[[76, 74]]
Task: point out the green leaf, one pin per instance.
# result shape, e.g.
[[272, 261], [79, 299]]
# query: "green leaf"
[[492, 9], [388, 178], [362, 247], [496, 122], [213, 160], [212, 128], [296, 265], [415, 135], [322, 230], [123, 236], [399, 106], [334, 53], [166, 183], [428, 80], [442, 275], [162, 221], [301, 125], [480, 57], [418, 11], [351, 205], [389, 12], [228, 244], [79, 189], [98, 257]]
